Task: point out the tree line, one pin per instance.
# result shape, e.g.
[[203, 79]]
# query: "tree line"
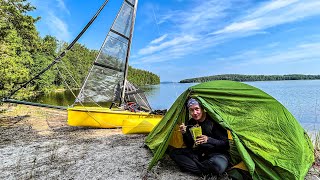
[[24, 53], [240, 77], [141, 77]]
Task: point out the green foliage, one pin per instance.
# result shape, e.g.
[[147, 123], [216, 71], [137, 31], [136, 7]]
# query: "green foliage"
[[239, 77], [15, 61], [75, 65], [141, 77], [18, 41], [13, 15], [317, 141], [23, 54]]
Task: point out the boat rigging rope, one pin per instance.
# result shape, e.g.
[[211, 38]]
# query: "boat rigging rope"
[[78, 86], [58, 59], [88, 112], [65, 67], [138, 94], [86, 109]]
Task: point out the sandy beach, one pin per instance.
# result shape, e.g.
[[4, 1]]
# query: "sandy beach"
[[37, 143]]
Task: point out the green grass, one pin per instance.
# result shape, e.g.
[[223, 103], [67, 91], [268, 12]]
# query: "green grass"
[[317, 141]]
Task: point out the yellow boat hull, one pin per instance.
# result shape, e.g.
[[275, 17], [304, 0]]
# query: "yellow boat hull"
[[139, 126], [103, 117]]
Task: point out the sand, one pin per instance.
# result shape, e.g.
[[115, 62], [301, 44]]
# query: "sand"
[[37, 143]]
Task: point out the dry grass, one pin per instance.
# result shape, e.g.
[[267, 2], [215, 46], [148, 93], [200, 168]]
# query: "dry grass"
[[314, 172], [37, 143]]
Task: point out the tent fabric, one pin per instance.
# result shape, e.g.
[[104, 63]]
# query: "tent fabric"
[[265, 135]]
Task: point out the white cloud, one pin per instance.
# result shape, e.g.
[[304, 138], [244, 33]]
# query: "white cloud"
[[210, 23], [159, 39], [272, 45], [310, 46], [188, 28], [273, 14], [270, 6], [58, 27], [174, 42], [202, 16], [197, 19], [305, 52], [166, 17], [240, 26], [63, 7]]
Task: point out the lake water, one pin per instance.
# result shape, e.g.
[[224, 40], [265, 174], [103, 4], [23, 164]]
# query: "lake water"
[[302, 98]]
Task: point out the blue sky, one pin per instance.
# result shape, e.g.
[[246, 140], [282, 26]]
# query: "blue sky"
[[181, 39]]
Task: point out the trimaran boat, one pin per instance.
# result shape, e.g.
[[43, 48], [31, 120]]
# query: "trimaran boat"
[[106, 98]]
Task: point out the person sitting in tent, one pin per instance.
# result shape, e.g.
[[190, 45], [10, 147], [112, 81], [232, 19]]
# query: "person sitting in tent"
[[207, 153]]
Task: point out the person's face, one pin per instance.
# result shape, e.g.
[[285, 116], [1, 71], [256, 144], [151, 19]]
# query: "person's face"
[[196, 112]]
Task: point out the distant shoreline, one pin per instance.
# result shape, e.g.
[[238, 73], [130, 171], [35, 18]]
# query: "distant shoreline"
[[242, 78]]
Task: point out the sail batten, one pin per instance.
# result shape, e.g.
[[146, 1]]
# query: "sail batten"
[[116, 32], [109, 67], [106, 83], [107, 77], [135, 2]]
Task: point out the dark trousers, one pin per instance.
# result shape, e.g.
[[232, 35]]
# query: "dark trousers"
[[189, 160]]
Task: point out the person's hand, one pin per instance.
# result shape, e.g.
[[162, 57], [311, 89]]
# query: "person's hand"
[[202, 139], [183, 128]]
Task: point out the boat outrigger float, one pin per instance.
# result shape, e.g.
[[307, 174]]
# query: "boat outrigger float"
[[106, 98], [106, 81], [111, 118]]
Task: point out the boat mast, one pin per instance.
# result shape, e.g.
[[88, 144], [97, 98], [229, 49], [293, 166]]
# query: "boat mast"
[[56, 60], [135, 5]]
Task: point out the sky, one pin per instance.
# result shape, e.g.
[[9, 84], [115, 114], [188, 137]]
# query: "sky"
[[181, 39]]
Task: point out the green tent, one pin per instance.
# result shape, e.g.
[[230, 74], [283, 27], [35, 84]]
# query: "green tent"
[[264, 136]]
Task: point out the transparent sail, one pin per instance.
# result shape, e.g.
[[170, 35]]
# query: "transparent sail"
[[105, 81], [124, 20], [134, 94]]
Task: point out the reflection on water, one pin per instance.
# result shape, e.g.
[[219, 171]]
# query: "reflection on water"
[[60, 98], [302, 98]]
